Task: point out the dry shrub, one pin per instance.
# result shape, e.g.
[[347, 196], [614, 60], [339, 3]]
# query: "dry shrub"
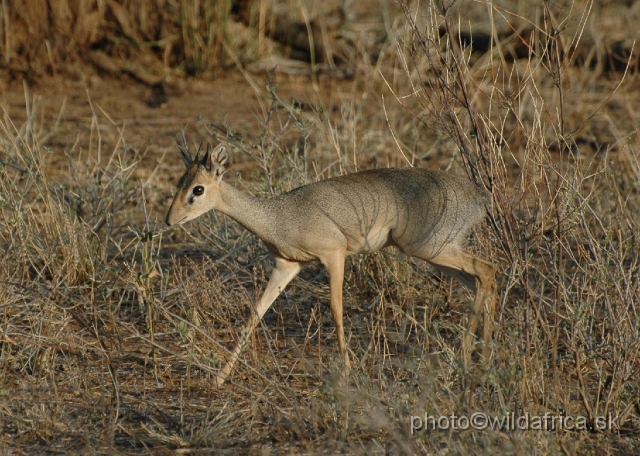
[[152, 41], [566, 237], [43, 35]]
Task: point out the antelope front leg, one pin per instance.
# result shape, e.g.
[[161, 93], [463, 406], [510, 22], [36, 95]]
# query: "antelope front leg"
[[281, 275], [335, 267]]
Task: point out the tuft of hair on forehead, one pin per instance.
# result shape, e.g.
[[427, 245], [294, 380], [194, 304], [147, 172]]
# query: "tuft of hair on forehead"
[[188, 176]]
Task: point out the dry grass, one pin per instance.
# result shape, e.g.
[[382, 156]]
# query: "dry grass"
[[111, 327]]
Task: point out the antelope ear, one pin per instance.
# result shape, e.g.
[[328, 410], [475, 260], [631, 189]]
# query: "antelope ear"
[[217, 162]]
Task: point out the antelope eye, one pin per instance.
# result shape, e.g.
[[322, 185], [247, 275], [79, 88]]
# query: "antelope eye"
[[198, 190]]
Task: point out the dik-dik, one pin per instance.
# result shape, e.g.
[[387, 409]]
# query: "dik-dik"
[[426, 214]]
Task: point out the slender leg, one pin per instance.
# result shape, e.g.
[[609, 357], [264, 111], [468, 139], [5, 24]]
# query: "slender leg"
[[281, 275], [335, 267], [479, 276]]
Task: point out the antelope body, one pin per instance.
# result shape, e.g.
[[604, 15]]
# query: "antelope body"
[[426, 214]]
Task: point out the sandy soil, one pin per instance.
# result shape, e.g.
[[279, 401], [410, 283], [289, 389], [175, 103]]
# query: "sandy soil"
[[126, 108]]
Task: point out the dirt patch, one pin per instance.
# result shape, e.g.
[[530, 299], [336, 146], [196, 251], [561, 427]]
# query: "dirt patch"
[[126, 114]]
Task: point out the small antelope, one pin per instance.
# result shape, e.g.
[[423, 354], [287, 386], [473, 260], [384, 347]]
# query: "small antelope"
[[426, 214]]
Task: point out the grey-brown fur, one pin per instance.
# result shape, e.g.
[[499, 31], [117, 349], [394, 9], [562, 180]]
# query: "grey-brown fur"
[[429, 208], [426, 214]]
